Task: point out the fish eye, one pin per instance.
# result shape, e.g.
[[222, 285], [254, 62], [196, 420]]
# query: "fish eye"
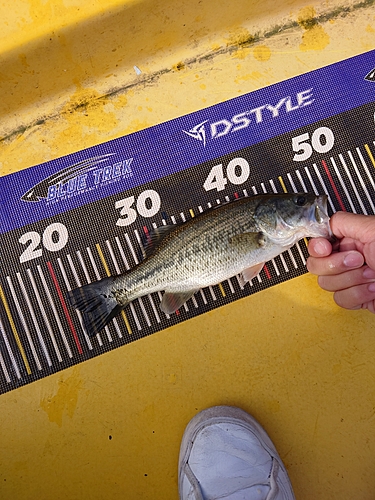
[[300, 200]]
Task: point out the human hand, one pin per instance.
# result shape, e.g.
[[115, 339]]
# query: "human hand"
[[347, 267]]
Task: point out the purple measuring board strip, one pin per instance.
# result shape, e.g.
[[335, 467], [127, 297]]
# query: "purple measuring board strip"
[[95, 173]]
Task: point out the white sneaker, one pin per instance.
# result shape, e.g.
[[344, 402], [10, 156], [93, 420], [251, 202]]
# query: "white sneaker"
[[226, 454]]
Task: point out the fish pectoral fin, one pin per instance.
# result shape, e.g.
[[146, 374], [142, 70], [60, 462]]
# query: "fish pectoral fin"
[[172, 301], [256, 240], [250, 273]]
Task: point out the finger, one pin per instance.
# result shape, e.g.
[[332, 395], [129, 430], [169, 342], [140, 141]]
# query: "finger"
[[347, 244], [369, 253], [370, 306], [355, 297], [336, 263], [348, 279], [356, 226], [319, 247]]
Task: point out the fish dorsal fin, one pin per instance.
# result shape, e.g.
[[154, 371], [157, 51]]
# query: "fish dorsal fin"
[[172, 301], [154, 238]]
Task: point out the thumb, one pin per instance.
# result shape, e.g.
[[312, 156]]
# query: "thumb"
[[355, 226]]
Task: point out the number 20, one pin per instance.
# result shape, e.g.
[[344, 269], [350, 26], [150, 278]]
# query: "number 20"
[[48, 241]]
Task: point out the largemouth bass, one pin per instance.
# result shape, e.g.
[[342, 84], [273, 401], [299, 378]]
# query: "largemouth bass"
[[234, 238]]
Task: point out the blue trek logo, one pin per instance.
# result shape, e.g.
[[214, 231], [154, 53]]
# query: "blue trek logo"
[[87, 175]]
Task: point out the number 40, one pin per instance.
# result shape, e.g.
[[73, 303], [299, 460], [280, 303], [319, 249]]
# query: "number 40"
[[238, 171]]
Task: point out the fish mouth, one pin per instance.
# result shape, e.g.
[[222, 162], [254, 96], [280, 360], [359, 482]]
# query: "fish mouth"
[[319, 218]]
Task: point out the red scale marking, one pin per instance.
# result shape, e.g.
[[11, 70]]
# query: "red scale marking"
[[335, 190], [65, 309], [145, 230], [268, 274]]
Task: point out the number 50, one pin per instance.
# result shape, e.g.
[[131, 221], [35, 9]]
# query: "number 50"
[[322, 141]]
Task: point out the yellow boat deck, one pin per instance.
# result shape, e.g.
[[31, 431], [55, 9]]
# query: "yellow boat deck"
[[75, 73]]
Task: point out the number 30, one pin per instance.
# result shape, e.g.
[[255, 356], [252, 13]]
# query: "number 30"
[[148, 204]]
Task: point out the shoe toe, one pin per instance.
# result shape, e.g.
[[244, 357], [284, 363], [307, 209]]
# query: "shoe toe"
[[225, 453]]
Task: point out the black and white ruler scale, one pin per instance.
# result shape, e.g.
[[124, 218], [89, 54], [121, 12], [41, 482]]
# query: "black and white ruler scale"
[[85, 216]]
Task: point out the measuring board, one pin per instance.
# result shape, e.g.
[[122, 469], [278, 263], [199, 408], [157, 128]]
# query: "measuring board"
[[85, 216]]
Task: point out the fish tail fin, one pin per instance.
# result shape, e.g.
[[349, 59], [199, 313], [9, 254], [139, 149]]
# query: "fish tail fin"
[[96, 304]]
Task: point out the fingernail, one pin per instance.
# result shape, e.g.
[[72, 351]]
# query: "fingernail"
[[353, 259], [369, 273], [320, 248], [371, 287]]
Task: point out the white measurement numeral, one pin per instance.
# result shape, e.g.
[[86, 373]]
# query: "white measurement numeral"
[[148, 204], [238, 171], [54, 238], [322, 141]]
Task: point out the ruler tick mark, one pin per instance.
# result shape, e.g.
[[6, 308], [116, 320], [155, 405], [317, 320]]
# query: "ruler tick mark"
[[64, 307]]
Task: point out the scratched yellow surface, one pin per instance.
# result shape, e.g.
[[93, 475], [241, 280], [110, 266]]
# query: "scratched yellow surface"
[[111, 427]]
